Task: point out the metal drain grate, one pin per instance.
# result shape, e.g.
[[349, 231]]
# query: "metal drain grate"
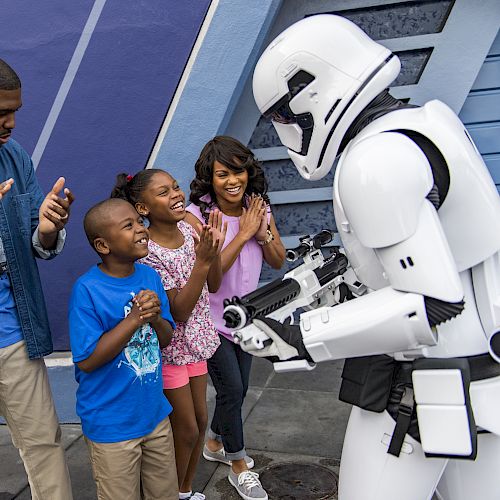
[[299, 481]]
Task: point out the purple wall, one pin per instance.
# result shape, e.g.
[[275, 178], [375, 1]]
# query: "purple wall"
[[112, 113]]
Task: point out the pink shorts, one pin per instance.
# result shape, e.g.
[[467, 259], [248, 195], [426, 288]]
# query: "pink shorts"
[[175, 376]]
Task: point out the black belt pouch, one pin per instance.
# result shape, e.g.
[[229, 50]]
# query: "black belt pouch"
[[366, 382]]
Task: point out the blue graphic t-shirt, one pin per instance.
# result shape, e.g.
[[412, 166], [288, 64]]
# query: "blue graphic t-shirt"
[[122, 399]]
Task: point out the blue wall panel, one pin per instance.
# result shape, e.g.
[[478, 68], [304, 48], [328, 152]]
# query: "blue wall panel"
[[482, 106], [486, 136], [481, 111], [489, 75], [493, 163], [114, 108]]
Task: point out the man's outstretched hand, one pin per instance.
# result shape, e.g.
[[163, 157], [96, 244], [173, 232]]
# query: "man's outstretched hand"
[[54, 210]]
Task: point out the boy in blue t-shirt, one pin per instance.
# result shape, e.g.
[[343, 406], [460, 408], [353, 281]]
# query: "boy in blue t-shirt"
[[119, 317]]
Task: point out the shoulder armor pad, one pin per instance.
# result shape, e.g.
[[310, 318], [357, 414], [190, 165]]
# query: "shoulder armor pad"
[[383, 182]]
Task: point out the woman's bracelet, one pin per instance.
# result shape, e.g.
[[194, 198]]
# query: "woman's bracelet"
[[269, 238]]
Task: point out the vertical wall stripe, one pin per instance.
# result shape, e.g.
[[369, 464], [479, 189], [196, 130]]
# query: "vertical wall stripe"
[[73, 66], [182, 83]]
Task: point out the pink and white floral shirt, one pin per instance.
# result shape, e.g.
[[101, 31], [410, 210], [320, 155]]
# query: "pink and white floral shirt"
[[196, 339]]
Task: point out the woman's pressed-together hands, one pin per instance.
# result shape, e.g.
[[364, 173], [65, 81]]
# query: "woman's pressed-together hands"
[[253, 221]]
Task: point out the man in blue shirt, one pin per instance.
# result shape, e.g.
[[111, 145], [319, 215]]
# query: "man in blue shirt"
[[31, 225]]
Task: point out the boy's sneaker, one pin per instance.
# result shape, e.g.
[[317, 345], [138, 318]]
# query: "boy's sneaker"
[[247, 485], [189, 495], [220, 456]]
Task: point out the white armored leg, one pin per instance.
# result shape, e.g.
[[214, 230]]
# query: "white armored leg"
[[367, 471], [465, 479]]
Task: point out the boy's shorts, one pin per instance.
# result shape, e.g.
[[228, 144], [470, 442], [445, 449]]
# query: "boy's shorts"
[[121, 470], [175, 376]]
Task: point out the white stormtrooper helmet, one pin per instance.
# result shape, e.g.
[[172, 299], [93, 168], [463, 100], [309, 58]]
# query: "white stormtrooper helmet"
[[313, 80]]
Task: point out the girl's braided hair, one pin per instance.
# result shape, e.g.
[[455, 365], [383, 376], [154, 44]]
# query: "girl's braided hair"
[[130, 187]]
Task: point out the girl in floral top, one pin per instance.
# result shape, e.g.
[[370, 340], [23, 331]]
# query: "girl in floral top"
[[189, 266]]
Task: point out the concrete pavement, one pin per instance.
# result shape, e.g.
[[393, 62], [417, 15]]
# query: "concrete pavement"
[[294, 429]]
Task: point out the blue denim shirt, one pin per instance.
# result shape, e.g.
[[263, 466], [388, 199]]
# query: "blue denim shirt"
[[18, 230]]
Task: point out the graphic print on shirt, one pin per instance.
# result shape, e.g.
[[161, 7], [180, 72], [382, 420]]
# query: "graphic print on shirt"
[[143, 350]]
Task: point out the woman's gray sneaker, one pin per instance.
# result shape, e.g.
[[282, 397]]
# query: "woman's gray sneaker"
[[247, 485], [220, 456]]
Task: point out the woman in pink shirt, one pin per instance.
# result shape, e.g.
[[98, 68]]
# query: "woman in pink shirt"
[[229, 178]]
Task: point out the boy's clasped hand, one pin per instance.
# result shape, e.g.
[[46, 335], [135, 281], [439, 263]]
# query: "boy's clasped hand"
[[146, 307]]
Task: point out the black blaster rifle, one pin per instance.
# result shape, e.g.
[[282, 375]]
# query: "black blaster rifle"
[[315, 283]]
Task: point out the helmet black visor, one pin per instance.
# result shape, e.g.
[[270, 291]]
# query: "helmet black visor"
[[280, 112]]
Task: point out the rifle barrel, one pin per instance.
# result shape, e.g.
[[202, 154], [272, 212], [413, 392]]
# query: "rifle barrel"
[[276, 294]]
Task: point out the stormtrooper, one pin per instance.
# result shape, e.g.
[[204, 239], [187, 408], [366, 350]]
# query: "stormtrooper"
[[419, 219]]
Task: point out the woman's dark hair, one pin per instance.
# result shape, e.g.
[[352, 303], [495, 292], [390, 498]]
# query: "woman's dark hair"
[[130, 187], [233, 155]]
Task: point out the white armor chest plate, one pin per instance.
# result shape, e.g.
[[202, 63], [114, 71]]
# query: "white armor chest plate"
[[469, 216]]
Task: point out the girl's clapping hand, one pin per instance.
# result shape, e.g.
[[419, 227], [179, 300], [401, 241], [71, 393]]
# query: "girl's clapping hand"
[[218, 228], [206, 245]]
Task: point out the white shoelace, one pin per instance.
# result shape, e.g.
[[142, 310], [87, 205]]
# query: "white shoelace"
[[249, 479], [197, 496]]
